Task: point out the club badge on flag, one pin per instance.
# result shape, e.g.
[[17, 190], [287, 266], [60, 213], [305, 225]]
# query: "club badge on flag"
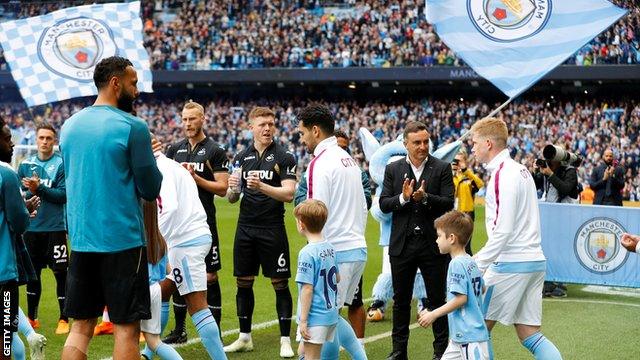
[[52, 57], [514, 43]]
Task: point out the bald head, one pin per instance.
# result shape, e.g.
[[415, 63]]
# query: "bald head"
[[607, 156]]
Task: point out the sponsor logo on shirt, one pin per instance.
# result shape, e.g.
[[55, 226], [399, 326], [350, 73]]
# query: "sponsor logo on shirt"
[[46, 182], [270, 158], [202, 151], [181, 151], [199, 167], [348, 162], [249, 157], [262, 174]]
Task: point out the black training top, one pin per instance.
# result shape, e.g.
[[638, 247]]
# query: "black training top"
[[275, 164], [207, 158]]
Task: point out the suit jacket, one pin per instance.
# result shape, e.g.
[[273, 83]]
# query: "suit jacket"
[[613, 183], [438, 177]]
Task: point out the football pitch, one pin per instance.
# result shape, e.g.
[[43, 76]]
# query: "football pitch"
[[583, 325]]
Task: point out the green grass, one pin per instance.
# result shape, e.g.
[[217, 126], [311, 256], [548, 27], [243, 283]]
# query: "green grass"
[[583, 326]]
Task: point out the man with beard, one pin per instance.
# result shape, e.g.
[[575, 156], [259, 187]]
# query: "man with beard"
[[268, 181], [208, 165], [109, 166], [607, 180]]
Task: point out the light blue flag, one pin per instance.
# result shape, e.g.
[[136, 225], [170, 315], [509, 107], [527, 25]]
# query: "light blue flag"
[[52, 57], [514, 43]]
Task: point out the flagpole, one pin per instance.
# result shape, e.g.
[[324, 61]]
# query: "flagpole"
[[491, 114]]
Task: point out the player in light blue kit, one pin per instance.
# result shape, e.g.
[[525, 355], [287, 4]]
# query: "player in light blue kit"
[[468, 334], [317, 279]]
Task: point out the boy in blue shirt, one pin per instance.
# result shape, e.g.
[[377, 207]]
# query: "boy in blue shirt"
[[468, 334], [317, 279]]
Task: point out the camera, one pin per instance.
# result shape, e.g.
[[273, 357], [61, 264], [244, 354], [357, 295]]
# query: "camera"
[[556, 153]]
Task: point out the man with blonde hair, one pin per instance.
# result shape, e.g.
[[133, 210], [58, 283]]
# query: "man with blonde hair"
[[208, 164], [267, 180], [511, 260]]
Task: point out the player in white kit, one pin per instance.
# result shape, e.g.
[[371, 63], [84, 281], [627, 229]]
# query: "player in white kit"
[[511, 260]]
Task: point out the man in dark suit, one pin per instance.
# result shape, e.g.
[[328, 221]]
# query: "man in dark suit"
[[417, 189], [607, 180]]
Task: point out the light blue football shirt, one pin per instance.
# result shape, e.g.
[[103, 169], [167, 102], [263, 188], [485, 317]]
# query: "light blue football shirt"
[[466, 324], [317, 266]]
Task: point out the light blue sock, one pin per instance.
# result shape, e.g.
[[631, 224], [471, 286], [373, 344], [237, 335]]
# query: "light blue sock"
[[208, 330], [164, 316], [349, 341], [17, 348], [166, 352], [24, 327], [541, 347], [346, 338]]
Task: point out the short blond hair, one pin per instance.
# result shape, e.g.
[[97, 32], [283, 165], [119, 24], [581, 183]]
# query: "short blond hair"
[[261, 111], [313, 214], [492, 128], [194, 105]]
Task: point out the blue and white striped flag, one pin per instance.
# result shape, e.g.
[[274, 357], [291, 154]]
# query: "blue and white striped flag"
[[52, 57], [514, 43]]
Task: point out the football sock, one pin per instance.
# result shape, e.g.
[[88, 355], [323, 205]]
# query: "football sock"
[[245, 303], [209, 333], [24, 327], [180, 310], [166, 352], [541, 347], [34, 290], [61, 280], [346, 338], [164, 316], [284, 308], [214, 300], [17, 348]]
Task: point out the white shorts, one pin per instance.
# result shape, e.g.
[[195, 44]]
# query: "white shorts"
[[513, 298], [152, 326], [319, 334], [188, 269], [350, 273], [469, 351]]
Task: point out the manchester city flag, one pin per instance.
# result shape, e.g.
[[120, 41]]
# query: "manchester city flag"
[[52, 57], [514, 43]]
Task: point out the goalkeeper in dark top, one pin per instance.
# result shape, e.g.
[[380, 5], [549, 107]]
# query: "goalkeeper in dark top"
[[42, 174]]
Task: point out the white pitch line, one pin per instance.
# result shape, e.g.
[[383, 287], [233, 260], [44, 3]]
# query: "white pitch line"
[[387, 334]]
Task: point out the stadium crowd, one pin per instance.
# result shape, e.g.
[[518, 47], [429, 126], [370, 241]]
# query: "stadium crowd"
[[209, 35], [584, 127]]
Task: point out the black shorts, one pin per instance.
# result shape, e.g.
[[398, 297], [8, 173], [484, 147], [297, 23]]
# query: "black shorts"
[[212, 260], [117, 280], [48, 249], [267, 247], [357, 297]]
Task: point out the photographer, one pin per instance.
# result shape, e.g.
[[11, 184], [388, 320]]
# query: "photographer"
[[559, 183], [607, 180], [466, 184]]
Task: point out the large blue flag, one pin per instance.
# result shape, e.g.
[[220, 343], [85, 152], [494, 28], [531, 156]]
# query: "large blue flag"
[[52, 57], [514, 43], [582, 244]]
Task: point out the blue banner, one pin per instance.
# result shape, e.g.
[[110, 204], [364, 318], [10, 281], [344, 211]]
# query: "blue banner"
[[582, 244]]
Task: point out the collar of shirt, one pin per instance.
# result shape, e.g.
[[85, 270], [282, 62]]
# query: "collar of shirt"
[[417, 171], [324, 144], [499, 159], [253, 146]]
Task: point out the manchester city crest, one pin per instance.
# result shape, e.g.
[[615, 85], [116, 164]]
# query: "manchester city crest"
[[509, 20], [597, 245], [72, 47]]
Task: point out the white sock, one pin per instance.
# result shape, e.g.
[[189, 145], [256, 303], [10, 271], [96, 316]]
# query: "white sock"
[[361, 341], [105, 315], [245, 337], [285, 339]]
